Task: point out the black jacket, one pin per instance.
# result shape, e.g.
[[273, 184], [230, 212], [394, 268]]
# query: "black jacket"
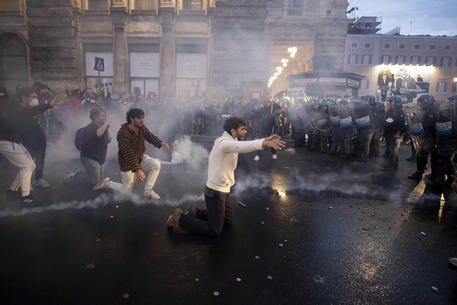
[[7, 132], [25, 128], [394, 122]]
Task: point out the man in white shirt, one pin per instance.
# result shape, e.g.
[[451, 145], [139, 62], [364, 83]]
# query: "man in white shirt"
[[222, 163]]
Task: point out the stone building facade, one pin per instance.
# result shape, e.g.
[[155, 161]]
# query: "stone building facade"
[[403, 63], [175, 48]]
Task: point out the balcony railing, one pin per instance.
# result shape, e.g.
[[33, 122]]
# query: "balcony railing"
[[144, 5], [167, 3]]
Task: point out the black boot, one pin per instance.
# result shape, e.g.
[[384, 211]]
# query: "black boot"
[[416, 176]]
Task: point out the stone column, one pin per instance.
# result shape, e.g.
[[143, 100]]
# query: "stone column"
[[120, 53], [167, 86], [79, 80], [51, 43]]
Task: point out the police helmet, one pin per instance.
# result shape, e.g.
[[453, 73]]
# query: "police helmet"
[[426, 98], [453, 97], [371, 100], [426, 101]]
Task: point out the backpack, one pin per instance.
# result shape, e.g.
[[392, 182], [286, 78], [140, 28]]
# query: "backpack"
[[79, 138]]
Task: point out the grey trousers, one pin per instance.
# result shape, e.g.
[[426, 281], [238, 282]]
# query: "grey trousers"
[[94, 170]]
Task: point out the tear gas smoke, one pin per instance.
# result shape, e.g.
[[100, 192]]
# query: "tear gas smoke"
[[185, 151], [312, 182], [102, 201], [187, 198]]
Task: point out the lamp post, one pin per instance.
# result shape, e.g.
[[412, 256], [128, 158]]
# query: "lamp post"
[[455, 84]]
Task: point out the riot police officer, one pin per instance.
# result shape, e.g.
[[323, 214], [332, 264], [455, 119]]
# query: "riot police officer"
[[377, 113], [445, 145], [335, 131], [364, 124], [346, 128], [394, 129], [427, 103]]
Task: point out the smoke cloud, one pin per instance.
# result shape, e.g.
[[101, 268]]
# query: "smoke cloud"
[[185, 151], [102, 201]]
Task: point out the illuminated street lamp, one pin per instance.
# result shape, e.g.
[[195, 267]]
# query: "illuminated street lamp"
[[292, 51], [455, 84]]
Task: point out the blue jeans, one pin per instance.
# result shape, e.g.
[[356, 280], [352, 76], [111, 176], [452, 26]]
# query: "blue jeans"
[[94, 170], [219, 211]]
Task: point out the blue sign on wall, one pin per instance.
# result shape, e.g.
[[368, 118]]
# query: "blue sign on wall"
[[99, 64]]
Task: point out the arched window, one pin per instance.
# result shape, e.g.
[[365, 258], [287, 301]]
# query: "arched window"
[[13, 62]]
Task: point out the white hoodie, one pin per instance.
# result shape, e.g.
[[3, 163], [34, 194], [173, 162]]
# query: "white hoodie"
[[223, 159]]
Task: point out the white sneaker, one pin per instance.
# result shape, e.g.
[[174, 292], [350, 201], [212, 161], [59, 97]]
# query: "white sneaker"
[[256, 158], [41, 183], [101, 184], [274, 156], [453, 261], [151, 194]]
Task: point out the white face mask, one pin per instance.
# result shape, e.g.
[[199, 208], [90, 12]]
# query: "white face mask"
[[34, 102]]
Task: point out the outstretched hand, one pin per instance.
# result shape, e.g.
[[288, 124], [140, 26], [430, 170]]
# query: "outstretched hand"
[[273, 141], [165, 146]]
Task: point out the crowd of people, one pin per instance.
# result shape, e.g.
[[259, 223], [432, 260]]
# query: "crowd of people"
[[22, 139], [352, 130], [32, 117]]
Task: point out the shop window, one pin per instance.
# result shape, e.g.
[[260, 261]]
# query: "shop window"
[[191, 72], [96, 81], [145, 72], [364, 84]]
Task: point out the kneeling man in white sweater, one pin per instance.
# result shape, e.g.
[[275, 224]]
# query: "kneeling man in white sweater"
[[222, 163]]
